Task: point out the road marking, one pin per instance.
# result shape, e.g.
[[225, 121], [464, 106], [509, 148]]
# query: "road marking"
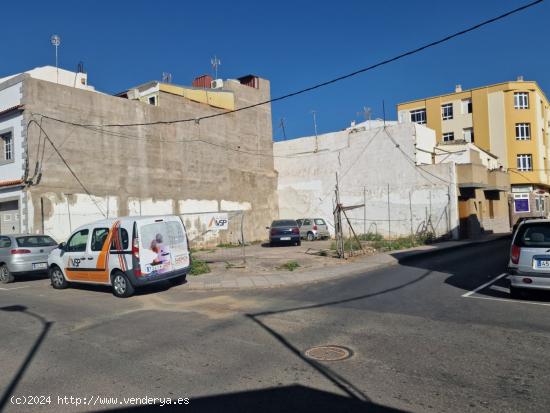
[[14, 288], [507, 300], [481, 287], [500, 289]]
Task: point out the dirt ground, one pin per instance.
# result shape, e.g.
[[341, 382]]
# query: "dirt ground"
[[263, 259]]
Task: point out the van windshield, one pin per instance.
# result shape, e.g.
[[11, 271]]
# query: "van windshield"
[[534, 235]]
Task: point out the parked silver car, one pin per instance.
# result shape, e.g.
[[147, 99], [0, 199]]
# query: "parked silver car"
[[24, 253], [313, 228], [529, 265]]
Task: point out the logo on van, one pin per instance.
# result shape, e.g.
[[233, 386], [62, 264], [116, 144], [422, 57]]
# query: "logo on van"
[[74, 262]]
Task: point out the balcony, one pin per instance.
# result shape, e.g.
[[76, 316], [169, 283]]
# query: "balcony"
[[472, 176], [498, 181]]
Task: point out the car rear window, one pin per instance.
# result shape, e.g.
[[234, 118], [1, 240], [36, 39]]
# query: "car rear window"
[[284, 223], [35, 241], [319, 221], [534, 235]]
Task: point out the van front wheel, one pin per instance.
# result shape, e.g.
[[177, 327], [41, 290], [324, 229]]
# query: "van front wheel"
[[122, 287]]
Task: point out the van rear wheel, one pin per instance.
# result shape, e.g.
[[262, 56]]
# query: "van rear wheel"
[[122, 287]]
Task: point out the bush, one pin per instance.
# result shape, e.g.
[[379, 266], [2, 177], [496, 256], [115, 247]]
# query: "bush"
[[348, 245], [401, 243], [290, 265], [228, 245], [371, 236], [199, 267]]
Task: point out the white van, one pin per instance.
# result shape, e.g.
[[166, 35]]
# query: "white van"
[[123, 252]]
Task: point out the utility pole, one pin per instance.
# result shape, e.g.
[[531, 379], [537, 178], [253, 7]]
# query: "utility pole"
[[364, 210], [315, 128], [338, 222]]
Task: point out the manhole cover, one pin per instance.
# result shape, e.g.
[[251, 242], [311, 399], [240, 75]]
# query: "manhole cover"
[[328, 353]]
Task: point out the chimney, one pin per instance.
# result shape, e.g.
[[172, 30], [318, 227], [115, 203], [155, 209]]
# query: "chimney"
[[458, 88], [520, 78]]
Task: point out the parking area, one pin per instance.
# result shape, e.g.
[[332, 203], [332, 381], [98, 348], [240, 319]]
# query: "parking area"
[[498, 289]]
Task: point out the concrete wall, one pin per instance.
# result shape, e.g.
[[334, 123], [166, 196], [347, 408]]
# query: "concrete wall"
[[219, 164], [367, 162]]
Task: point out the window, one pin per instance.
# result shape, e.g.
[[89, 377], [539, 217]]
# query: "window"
[[521, 203], [447, 111], [5, 242], [448, 136], [539, 203], [523, 131], [153, 100], [521, 100], [468, 134], [319, 221], [418, 116], [525, 162], [35, 241], [307, 222], [466, 106], [123, 240], [78, 241], [491, 208], [7, 143], [98, 238]]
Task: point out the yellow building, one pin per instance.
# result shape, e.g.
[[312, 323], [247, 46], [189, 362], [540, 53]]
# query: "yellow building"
[[509, 120]]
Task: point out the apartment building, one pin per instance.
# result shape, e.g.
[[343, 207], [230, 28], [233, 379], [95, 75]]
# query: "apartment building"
[[222, 165], [509, 120]]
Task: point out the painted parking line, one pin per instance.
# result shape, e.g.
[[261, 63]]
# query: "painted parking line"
[[481, 287], [470, 294]]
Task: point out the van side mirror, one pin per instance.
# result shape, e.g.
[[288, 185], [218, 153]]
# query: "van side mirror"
[[62, 246]]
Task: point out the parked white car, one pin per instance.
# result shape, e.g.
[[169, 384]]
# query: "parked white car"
[[529, 265]]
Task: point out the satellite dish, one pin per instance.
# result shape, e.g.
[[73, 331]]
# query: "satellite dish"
[[55, 40]]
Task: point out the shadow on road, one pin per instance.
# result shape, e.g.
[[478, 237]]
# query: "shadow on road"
[[46, 325], [288, 399]]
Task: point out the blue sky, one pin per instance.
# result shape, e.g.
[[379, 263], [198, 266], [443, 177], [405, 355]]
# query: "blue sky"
[[292, 43]]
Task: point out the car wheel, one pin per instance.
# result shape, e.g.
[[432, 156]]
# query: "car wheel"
[[517, 293], [57, 279], [310, 236], [122, 287], [298, 243], [178, 280], [5, 275]]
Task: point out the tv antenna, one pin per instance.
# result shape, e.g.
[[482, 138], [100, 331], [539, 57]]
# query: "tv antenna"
[[215, 62], [55, 40], [166, 77], [314, 113], [282, 126]]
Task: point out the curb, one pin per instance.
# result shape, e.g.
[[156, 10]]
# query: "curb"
[[285, 279]]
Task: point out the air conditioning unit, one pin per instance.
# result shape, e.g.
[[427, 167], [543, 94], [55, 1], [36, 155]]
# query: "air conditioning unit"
[[133, 94], [217, 84]]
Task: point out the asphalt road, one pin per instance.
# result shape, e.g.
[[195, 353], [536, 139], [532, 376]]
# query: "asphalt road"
[[418, 343]]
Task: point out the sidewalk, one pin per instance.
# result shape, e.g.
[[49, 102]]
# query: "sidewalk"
[[237, 281]]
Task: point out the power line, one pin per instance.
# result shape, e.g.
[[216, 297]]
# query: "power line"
[[66, 164], [328, 82]]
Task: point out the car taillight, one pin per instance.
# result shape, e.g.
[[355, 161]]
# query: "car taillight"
[[315, 228], [295, 230], [273, 231], [20, 251], [514, 255], [135, 248]]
